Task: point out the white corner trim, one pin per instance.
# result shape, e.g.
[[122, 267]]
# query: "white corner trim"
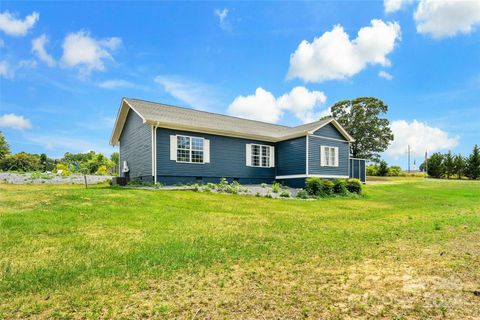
[[306, 156], [293, 176]]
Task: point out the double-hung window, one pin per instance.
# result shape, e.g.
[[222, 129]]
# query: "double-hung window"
[[329, 156], [260, 155], [189, 149]]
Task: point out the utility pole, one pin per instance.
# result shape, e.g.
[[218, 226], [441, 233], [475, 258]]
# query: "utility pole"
[[408, 158]]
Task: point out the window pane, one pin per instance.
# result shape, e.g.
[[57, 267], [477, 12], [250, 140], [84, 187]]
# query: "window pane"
[[265, 151], [197, 156], [332, 156], [255, 150], [327, 156], [183, 142], [197, 144], [256, 161], [183, 155], [265, 162]]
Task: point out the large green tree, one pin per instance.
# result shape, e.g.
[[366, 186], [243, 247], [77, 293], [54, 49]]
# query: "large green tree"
[[473, 164], [449, 164], [435, 165], [459, 165], [363, 118], [4, 147]]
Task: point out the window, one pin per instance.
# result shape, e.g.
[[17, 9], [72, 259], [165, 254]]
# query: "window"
[[260, 155], [190, 149], [329, 156]]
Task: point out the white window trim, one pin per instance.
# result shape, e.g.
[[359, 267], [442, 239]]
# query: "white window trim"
[[270, 157], [324, 161], [190, 149]]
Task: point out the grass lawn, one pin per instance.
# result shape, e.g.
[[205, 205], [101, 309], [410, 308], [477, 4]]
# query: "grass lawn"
[[409, 249]]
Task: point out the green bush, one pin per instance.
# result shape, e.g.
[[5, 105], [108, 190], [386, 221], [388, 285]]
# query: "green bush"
[[314, 186], [372, 170], [21, 161], [327, 187], [63, 168], [276, 187], [339, 186], [285, 194], [354, 186], [302, 194], [264, 185], [394, 171]]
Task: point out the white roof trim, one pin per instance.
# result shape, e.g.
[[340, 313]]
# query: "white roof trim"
[[338, 126]]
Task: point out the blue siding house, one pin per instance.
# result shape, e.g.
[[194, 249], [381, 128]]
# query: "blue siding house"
[[167, 144]]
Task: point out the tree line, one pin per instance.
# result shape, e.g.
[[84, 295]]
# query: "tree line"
[[447, 165], [88, 162]]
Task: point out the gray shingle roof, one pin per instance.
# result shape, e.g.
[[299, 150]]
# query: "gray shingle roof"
[[178, 117]]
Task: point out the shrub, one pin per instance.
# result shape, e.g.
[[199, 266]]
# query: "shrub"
[[382, 169], [222, 186], [354, 186], [372, 170], [285, 194], [21, 161], [275, 187], [102, 170], [313, 186], [268, 195], [327, 187], [64, 171], [264, 185], [394, 171], [339, 186], [302, 194]]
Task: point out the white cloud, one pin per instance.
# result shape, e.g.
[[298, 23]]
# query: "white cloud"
[[88, 54], [447, 18], [15, 122], [302, 103], [6, 70], [260, 106], [385, 75], [222, 17], [420, 137], [195, 94], [116, 84], [38, 47], [17, 27], [263, 105], [334, 56], [395, 5]]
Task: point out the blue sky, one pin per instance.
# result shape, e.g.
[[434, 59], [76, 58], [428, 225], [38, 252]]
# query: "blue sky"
[[64, 67]]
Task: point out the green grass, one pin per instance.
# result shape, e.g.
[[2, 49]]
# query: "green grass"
[[69, 252]]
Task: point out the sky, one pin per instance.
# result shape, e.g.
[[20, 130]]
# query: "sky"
[[65, 66]]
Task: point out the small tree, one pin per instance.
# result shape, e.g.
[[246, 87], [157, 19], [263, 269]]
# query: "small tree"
[[473, 164], [449, 164], [459, 165], [4, 147], [435, 165], [382, 168]]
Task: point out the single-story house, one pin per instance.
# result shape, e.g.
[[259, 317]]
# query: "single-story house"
[[167, 144]]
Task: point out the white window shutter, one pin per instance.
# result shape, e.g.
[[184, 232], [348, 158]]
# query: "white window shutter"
[[272, 156], [173, 148], [206, 151], [248, 153], [336, 156], [322, 156]]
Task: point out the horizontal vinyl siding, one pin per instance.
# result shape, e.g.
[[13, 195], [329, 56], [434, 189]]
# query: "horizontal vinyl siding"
[[314, 166], [135, 147], [290, 156], [227, 158], [329, 131]]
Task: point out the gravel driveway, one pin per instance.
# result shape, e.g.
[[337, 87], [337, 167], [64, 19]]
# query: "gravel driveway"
[[49, 178]]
